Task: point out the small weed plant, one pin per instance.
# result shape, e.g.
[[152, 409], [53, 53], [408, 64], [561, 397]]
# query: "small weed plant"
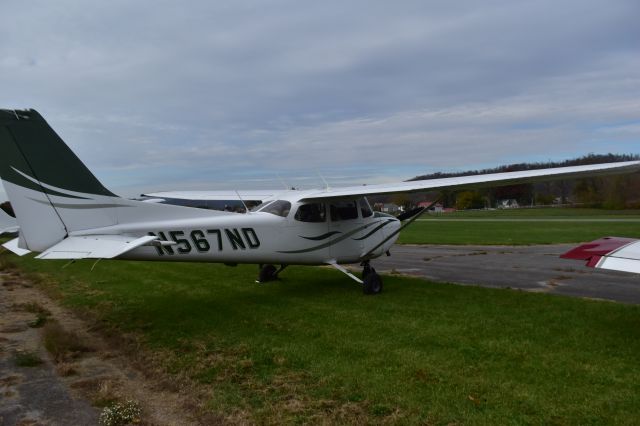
[[119, 414], [62, 344], [38, 322], [27, 359]]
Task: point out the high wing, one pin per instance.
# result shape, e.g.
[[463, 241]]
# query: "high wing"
[[216, 195], [614, 253], [477, 181], [237, 201]]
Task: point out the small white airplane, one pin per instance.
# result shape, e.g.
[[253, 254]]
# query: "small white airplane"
[[64, 212]]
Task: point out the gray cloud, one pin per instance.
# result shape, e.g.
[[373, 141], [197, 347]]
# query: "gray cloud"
[[158, 95]]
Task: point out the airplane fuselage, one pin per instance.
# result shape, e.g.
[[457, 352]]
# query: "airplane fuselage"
[[262, 237]]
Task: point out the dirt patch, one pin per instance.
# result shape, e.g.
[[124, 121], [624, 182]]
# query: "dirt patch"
[[10, 380], [87, 369], [14, 328], [557, 281]]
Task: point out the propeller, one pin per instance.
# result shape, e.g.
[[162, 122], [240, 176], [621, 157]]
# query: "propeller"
[[408, 215], [407, 218]]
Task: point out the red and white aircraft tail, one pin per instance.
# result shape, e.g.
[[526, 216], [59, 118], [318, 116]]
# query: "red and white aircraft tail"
[[614, 253]]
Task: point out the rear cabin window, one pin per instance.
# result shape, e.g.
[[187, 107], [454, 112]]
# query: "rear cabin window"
[[311, 213], [279, 208], [365, 209], [344, 210]]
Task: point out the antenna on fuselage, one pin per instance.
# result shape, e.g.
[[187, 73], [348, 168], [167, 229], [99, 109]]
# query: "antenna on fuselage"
[[283, 182], [326, 184], [246, 209]]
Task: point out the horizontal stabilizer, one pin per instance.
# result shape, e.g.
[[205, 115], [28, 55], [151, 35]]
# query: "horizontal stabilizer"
[[10, 230], [94, 247], [12, 246], [614, 253]]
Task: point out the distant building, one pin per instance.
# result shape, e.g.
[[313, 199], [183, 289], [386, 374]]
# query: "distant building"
[[437, 207], [391, 208], [558, 200], [510, 203]]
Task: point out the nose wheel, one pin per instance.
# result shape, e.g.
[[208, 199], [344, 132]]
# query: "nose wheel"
[[371, 281]]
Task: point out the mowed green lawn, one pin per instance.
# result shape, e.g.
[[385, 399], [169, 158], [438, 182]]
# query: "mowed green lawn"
[[312, 349], [522, 226]]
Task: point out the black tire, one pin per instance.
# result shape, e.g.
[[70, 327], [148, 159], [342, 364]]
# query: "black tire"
[[372, 283], [366, 271], [267, 273]]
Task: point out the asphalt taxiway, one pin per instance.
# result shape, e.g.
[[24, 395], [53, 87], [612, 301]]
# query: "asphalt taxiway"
[[530, 268]]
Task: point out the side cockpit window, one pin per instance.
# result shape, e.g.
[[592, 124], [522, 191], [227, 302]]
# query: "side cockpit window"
[[314, 212], [278, 208], [343, 210]]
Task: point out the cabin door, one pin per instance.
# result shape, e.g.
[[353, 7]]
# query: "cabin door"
[[346, 223]]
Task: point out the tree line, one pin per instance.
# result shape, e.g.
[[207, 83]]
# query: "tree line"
[[609, 192]]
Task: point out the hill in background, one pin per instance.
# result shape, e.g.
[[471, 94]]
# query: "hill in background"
[[612, 192]]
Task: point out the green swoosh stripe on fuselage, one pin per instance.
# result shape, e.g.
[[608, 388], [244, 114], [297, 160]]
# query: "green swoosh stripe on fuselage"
[[330, 243], [322, 237], [374, 230], [10, 175]]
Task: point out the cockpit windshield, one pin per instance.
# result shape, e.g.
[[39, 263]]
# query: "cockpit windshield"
[[261, 206], [278, 208]]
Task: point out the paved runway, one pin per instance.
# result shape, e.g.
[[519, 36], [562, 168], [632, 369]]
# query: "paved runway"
[[530, 268]]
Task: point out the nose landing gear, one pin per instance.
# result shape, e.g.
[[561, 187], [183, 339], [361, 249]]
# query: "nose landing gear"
[[371, 281]]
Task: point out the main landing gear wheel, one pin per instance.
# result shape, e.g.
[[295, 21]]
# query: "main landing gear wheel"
[[269, 273], [372, 282]]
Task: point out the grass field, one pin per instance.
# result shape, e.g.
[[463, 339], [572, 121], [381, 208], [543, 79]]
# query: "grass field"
[[542, 213], [311, 348], [522, 226]]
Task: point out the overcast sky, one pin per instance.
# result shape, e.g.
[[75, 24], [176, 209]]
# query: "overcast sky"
[[159, 95]]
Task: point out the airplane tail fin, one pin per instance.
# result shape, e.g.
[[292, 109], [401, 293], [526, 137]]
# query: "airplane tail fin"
[[51, 191], [55, 197]]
